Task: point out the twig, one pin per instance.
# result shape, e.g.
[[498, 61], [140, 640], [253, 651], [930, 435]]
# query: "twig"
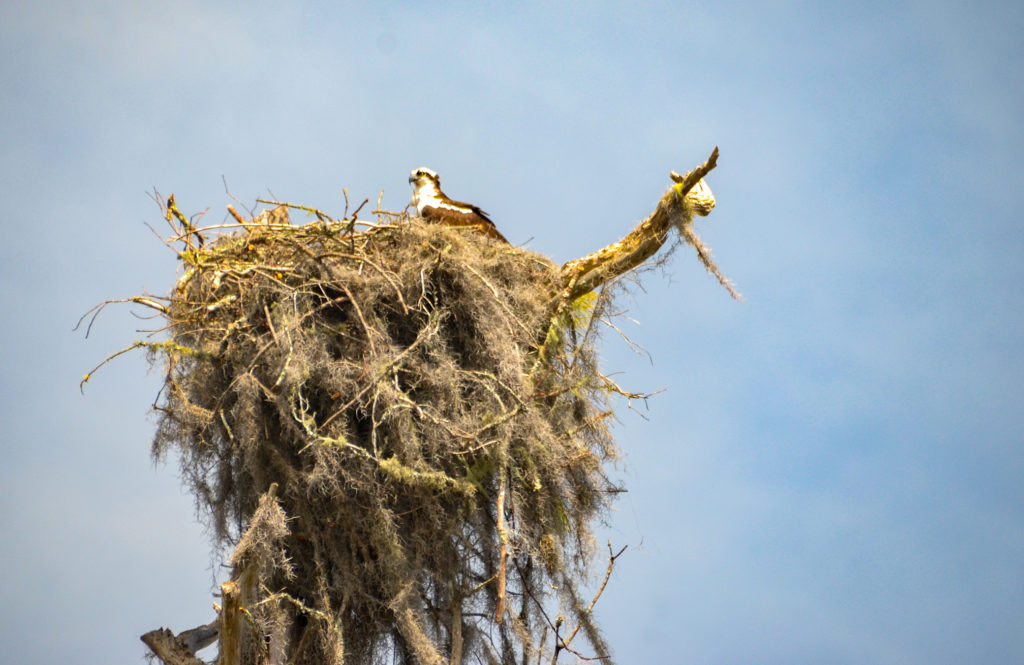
[[237, 217], [164, 240], [355, 213], [189, 229], [607, 575], [163, 346], [359, 313], [95, 311]]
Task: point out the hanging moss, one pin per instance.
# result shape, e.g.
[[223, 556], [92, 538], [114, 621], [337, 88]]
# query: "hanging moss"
[[391, 383]]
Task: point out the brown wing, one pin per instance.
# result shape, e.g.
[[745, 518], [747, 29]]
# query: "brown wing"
[[472, 217]]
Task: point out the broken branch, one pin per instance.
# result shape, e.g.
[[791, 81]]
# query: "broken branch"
[[675, 209]]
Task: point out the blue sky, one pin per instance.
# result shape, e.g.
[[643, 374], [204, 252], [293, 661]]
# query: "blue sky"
[[833, 472]]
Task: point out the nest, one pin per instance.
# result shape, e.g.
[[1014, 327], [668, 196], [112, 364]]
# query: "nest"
[[404, 448]]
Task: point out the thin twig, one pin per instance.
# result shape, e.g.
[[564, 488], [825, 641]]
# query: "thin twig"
[[165, 346], [607, 575], [140, 300]]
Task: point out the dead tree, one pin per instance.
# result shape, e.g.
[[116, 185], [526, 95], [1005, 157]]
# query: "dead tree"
[[401, 431]]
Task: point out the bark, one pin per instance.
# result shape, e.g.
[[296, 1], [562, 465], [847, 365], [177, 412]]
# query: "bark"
[[585, 274], [170, 649], [230, 625]]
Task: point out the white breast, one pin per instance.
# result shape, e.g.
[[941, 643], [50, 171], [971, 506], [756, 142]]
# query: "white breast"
[[426, 195]]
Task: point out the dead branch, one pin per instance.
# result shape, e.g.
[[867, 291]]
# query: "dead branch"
[[238, 218], [455, 630], [140, 300], [230, 625], [186, 228], [612, 556], [168, 346], [173, 650], [675, 209], [499, 610], [200, 637]]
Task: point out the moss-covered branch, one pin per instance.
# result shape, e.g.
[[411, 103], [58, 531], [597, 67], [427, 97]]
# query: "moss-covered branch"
[[675, 210]]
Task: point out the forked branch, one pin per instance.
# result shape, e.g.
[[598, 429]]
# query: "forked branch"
[[688, 196]]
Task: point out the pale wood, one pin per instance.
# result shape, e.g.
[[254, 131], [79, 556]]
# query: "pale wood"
[[499, 610], [585, 274], [230, 625]]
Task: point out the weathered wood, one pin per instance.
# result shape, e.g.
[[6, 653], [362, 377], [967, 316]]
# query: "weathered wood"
[[499, 611], [200, 637], [585, 274], [230, 625], [170, 649]]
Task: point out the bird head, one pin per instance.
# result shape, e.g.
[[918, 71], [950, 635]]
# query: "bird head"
[[422, 176]]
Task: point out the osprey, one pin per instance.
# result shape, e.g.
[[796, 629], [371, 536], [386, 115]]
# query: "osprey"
[[434, 206]]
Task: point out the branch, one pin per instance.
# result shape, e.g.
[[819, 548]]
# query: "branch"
[[200, 637], [141, 300], [167, 347], [590, 608], [178, 650], [676, 208], [499, 610], [230, 625], [185, 227]]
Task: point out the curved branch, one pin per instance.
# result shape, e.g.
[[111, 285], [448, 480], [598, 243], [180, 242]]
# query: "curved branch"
[[675, 209]]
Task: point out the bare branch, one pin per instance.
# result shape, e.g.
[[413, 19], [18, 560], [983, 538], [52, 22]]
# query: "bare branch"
[[230, 625], [95, 311], [499, 610], [185, 228], [170, 649], [585, 274], [612, 556], [200, 637]]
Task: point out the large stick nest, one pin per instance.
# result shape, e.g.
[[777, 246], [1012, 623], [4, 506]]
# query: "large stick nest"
[[393, 383]]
